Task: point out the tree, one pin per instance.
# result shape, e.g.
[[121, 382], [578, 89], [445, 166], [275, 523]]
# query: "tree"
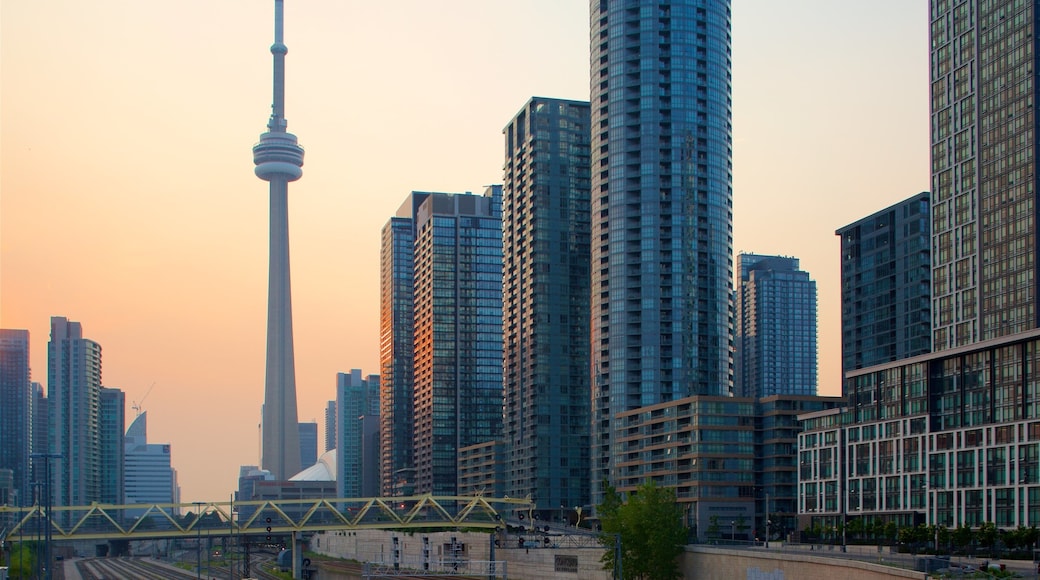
[[962, 536], [742, 525], [854, 528], [651, 530], [714, 531], [22, 561], [891, 529], [987, 534]]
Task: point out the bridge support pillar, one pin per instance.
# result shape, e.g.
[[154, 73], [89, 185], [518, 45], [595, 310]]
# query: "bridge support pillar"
[[297, 556]]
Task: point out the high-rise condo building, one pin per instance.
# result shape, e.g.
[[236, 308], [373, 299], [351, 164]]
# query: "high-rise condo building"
[[545, 305], [74, 396], [396, 288], [776, 328], [984, 271], [357, 401], [112, 445], [16, 411], [278, 159], [456, 333], [662, 201], [952, 438], [40, 428], [886, 285]]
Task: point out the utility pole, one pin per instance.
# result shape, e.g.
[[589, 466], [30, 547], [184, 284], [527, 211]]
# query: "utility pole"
[[48, 559]]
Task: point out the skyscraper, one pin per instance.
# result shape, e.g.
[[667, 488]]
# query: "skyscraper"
[[15, 410], [112, 445], [330, 425], [776, 328], [885, 285], [458, 332], [40, 427], [396, 360], [278, 159], [662, 225], [308, 443], [74, 395], [545, 287], [984, 270], [453, 323], [964, 417], [149, 473], [357, 401]]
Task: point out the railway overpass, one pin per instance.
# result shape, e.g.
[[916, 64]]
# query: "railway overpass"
[[266, 519]]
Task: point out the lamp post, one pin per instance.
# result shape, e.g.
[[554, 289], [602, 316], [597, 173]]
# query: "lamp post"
[[767, 519], [733, 530], [229, 553], [198, 539]]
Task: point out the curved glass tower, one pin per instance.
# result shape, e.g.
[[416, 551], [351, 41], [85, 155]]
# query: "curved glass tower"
[[662, 220]]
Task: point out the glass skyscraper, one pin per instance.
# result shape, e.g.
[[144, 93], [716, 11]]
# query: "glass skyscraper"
[[74, 395], [776, 328], [885, 285], [149, 474], [661, 196], [455, 323], [963, 421], [112, 445], [16, 410], [545, 286], [983, 59], [308, 443], [357, 401], [396, 287]]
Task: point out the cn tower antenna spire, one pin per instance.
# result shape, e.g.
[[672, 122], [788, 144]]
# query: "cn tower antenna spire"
[[278, 49], [279, 159]]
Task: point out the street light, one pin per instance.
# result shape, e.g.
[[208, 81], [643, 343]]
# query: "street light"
[[198, 539], [733, 531]]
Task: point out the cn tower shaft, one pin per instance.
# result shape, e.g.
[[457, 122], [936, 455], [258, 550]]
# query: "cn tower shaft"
[[278, 159]]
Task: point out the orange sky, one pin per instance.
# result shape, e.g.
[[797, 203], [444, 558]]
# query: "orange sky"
[[128, 201]]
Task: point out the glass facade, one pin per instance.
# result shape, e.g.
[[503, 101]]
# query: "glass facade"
[[112, 445], [983, 169], [74, 393], [308, 444], [661, 198], [728, 458], [455, 332], [357, 398], [886, 285], [776, 328], [149, 475], [396, 283], [545, 286], [949, 438], [15, 411]]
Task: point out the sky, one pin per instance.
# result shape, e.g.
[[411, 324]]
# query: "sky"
[[128, 200]]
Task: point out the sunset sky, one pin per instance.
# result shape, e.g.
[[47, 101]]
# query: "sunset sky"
[[128, 200]]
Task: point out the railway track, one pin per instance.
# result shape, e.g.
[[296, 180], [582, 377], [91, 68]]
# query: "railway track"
[[128, 569]]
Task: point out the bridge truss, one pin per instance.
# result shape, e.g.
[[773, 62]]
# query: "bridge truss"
[[276, 518]]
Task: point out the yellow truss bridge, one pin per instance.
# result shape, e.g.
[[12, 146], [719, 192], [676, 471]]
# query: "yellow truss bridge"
[[267, 518]]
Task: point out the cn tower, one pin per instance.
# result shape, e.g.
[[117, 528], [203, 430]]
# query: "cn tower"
[[278, 160]]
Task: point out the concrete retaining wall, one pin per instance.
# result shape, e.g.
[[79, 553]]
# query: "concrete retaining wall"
[[704, 563], [698, 562]]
